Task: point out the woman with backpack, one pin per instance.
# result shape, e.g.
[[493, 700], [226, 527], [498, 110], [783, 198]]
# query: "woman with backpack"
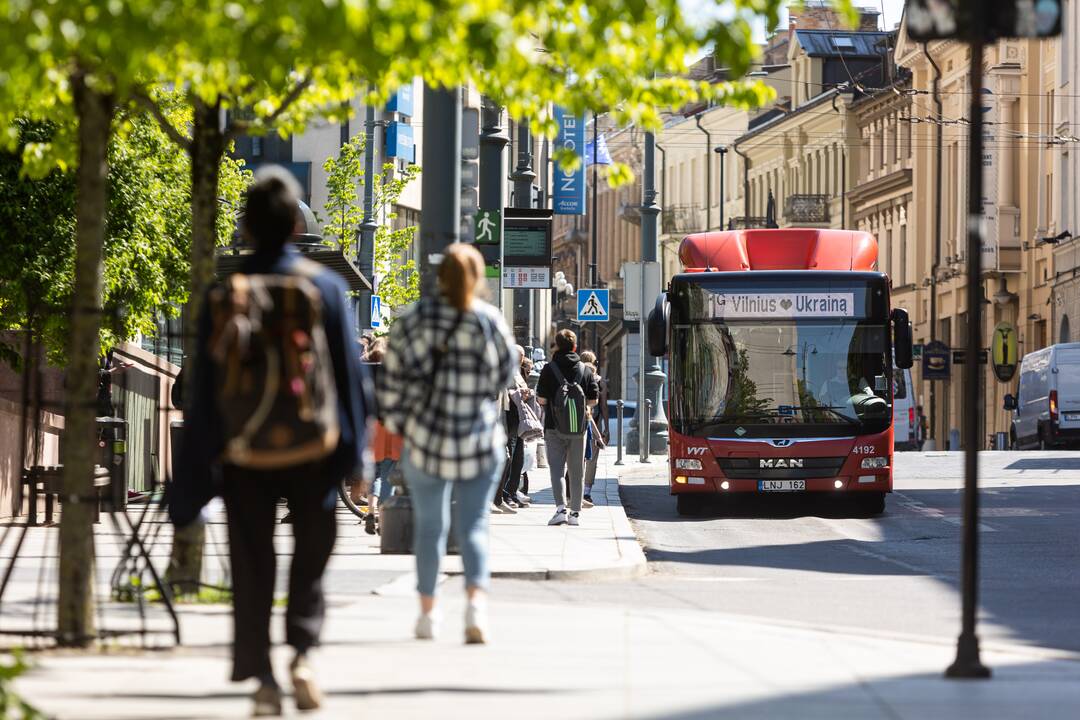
[[449, 358]]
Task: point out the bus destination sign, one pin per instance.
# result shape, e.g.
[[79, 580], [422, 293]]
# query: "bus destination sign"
[[780, 305]]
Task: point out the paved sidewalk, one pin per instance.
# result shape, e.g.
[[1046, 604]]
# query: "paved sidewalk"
[[524, 547], [571, 661]]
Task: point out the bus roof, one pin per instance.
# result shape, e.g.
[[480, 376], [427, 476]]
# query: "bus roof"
[[783, 249]]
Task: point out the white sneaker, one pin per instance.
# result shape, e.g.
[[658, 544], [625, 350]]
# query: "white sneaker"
[[505, 509], [476, 624], [427, 626], [495, 509], [573, 519], [559, 518], [522, 497]]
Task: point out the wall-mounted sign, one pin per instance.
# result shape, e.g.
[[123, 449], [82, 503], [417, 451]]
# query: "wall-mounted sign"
[[1004, 351], [936, 361], [569, 195]]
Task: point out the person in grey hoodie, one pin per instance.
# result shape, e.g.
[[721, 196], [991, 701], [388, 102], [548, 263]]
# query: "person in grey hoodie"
[[565, 452]]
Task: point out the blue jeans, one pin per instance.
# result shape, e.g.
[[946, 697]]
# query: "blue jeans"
[[431, 522], [382, 488]]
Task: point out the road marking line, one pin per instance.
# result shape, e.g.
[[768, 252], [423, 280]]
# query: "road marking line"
[[920, 508]]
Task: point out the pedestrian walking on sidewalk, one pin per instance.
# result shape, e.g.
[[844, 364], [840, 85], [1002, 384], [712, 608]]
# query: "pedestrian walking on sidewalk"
[[566, 389], [449, 358], [279, 403], [594, 439], [385, 448]]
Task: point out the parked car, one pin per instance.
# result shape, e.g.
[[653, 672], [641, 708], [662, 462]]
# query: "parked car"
[[629, 408], [1046, 408], [904, 404]]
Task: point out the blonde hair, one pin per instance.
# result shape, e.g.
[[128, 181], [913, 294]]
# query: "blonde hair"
[[461, 275], [588, 357]]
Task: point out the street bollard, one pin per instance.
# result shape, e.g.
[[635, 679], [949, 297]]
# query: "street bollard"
[[618, 428], [646, 438]]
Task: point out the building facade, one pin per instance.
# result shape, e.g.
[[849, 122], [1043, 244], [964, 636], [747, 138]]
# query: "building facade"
[[1019, 206]]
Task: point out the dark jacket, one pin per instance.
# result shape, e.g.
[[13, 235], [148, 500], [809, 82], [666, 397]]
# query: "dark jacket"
[[195, 482], [572, 369]]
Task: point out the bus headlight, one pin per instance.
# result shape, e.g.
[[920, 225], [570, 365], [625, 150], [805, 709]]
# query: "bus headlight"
[[874, 463], [687, 464]]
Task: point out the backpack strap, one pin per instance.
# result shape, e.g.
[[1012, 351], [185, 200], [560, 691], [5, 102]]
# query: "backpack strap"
[[558, 373]]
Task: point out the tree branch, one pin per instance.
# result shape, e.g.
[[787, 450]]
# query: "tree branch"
[[242, 126], [169, 129]]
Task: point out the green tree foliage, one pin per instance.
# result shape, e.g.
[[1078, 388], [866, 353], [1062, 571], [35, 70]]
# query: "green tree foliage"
[[398, 281], [147, 236]]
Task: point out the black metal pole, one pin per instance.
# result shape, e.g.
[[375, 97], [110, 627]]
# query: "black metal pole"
[[967, 663], [493, 141], [523, 178], [595, 194], [593, 234], [937, 232], [365, 260], [440, 192]]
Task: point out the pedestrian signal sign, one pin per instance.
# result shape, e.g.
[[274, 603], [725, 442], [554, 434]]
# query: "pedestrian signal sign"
[[488, 228], [592, 305]]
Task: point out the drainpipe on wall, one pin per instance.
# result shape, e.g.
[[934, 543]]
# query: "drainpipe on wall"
[[708, 173], [746, 178]]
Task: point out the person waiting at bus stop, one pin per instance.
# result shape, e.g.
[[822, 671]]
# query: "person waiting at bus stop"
[[565, 451]]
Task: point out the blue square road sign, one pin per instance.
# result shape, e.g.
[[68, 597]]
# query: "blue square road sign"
[[593, 305]]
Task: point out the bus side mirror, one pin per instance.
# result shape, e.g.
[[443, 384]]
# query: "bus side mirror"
[[1010, 402], [902, 350], [656, 327]]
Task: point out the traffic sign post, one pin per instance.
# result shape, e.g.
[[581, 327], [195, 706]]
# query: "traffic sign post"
[[593, 305], [976, 22]]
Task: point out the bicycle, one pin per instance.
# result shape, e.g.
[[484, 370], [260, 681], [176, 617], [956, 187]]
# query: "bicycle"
[[360, 509]]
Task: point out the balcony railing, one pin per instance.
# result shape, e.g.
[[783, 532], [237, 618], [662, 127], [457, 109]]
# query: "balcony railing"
[[807, 209], [678, 219], [742, 222]]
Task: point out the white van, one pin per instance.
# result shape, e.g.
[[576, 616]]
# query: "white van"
[[903, 411], [1047, 403]]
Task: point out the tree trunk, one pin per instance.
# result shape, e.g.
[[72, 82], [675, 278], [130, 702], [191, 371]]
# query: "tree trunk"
[[207, 148], [75, 609]]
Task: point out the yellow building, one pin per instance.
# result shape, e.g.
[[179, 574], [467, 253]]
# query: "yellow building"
[[1019, 202], [805, 156]]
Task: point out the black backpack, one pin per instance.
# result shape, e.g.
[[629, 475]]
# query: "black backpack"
[[273, 372], [569, 404]]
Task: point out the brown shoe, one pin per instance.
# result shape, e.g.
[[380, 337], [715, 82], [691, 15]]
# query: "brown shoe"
[[306, 691], [267, 701]]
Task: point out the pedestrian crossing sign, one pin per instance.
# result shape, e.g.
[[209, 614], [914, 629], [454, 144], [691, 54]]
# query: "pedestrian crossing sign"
[[592, 305], [376, 312]]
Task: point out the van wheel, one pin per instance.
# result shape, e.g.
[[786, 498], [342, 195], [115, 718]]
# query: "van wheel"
[[870, 504], [689, 505]]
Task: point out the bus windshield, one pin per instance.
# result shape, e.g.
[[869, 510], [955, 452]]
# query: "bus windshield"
[[787, 377]]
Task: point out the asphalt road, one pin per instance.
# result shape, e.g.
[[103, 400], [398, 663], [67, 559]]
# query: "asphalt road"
[[810, 561]]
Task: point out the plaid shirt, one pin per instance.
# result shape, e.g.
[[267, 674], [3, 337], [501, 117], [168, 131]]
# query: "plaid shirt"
[[459, 432]]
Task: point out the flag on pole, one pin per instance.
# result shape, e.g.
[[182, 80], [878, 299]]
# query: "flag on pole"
[[598, 155]]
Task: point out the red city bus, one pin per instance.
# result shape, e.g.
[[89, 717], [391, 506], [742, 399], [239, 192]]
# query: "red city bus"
[[780, 347]]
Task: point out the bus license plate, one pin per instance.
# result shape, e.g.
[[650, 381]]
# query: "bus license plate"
[[781, 485]]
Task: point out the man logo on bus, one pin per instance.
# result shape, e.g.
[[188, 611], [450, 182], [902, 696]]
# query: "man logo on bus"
[[781, 462]]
